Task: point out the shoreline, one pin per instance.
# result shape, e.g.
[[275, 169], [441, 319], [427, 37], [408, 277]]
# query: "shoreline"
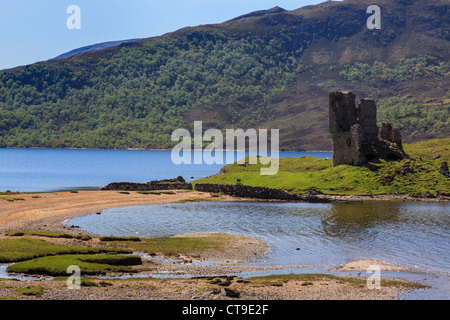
[[46, 211], [49, 211], [384, 197]]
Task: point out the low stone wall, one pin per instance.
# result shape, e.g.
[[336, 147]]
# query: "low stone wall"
[[234, 190], [244, 191], [131, 186]]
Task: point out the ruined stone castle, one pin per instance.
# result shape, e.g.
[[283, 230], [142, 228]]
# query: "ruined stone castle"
[[356, 136]]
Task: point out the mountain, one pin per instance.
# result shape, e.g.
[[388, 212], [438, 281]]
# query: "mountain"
[[268, 69], [97, 46]]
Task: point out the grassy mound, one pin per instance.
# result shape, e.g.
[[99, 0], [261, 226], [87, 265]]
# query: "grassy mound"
[[20, 249], [36, 256], [47, 234], [418, 175], [181, 245], [89, 264]]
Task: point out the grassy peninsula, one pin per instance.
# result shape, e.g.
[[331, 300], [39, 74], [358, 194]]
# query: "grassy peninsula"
[[417, 176]]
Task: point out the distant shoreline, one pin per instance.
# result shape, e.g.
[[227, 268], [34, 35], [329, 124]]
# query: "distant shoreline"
[[144, 149]]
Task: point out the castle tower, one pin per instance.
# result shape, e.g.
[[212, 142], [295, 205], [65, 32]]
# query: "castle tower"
[[355, 131], [367, 118], [347, 132]]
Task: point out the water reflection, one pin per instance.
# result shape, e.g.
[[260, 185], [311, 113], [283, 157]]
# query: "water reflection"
[[359, 220], [406, 233]]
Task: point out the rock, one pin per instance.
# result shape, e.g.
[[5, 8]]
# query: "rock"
[[437, 156], [232, 293], [216, 291], [242, 281], [389, 133], [170, 184], [177, 179], [224, 283], [215, 281], [444, 169]]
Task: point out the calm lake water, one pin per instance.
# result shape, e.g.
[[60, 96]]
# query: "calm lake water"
[[44, 170], [411, 234]]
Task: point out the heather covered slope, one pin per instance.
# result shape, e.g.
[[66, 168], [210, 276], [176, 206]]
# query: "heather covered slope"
[[270, 69]]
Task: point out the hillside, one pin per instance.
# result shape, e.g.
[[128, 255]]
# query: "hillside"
[[267, 69], [97, 46], [418, 176]]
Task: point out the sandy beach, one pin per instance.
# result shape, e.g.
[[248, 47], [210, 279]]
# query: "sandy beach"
[[48, 211]]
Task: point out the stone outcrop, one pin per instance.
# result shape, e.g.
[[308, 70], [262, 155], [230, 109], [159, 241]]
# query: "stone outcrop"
[[244, 191], [389, 133], [131, 186], [444, 169], [356, 136], [234, 190], [179, 179]]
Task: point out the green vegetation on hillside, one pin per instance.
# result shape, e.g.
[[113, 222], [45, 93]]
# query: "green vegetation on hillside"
[[418, 175], [406, 69], [270, 69], [136, 96], [417, 119]]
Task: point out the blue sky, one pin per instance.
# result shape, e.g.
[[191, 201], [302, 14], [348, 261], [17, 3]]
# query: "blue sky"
[[35, 30]]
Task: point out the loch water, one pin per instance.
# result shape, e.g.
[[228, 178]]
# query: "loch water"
[[411, 234], [49, 170], [324, 236]]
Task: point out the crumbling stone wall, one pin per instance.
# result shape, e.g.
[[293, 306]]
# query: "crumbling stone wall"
[[132, 186], [367, 118], [347, 131], [240, 190], [389, 133], [356, 136]]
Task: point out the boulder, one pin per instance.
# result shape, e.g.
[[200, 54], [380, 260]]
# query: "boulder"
[[232, 293], [444, 169]]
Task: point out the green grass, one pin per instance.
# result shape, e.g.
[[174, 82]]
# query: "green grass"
[[279, 279], [36, 291], [177, 245], [8, 192], [216, 195], [416, 176], [88, 264], [13, 250], [47, 234], [9, 199], [155, 192], [36, 256]]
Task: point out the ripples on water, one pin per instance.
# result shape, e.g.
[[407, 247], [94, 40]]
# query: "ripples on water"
[[405, 233], [411, 234]]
